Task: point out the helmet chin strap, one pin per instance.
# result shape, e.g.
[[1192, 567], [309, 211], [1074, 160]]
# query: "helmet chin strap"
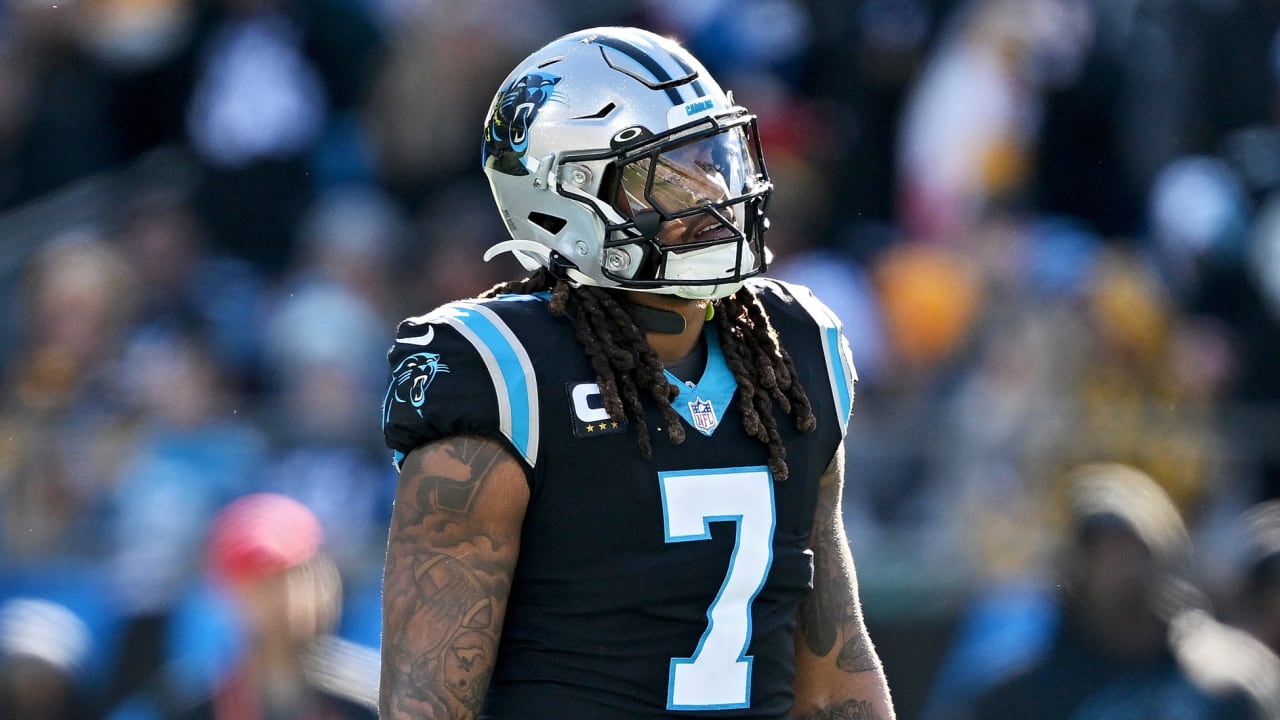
[[529, 253], [534, 255], [657, 320]]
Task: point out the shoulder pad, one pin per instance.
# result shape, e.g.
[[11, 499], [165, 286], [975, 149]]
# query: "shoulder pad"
[[462, 369], [800, 302]]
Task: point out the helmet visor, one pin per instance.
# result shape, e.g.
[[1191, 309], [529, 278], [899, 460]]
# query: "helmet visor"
[[709, 171]]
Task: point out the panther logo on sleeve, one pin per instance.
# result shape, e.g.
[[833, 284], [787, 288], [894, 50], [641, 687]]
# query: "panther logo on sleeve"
[[410, 380]]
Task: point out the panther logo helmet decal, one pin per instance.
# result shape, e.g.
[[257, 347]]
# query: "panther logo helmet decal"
[[506, 137]]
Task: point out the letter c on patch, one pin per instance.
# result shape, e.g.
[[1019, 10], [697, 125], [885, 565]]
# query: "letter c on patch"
[[580, 394]]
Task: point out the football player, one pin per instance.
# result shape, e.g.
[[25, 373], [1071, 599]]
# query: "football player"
[[620, 476]]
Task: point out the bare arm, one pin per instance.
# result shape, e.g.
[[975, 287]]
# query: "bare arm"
[[838, 674], [455, 536]]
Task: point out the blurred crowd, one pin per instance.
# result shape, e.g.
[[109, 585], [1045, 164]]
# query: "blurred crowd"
[[1050, 227]]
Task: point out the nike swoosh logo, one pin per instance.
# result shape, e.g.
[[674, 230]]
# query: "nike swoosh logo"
[[420, 340]]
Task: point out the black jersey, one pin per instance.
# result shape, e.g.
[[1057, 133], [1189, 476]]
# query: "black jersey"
[[644, 588]]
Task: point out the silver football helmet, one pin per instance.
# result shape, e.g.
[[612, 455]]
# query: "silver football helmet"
[[617, 161]]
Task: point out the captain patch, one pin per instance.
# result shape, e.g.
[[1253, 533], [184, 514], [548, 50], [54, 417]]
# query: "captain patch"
[[589, 416]]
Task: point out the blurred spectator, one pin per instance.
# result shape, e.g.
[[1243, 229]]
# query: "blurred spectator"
[[429, 91], [342, 480], [1247, 298], [1264, 255], [326, 357], [265, 550], [983, 498], [55, 122], [931, 297], [186, 286], [61, 400], [1259, 595], [1131, 640], [1249, 602], [254, 641], [164, 245], [43, 648], [1162, 80], [1004, 412], [925, 299], [193, 450], [1198, 214], [972, 122], [456, 225], [276, 86], [863, 61], [351, 243], [1149, 393]]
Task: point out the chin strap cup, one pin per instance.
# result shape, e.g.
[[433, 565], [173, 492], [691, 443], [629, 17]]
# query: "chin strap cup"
[[652, 319]]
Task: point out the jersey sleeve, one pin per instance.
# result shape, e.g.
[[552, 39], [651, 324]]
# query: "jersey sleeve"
[[460, 370], [842, 376]]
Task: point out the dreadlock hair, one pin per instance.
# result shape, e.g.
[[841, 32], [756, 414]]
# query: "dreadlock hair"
[[625, 363]]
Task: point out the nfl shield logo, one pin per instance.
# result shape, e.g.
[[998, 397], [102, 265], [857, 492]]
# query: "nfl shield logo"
[[704, 415]]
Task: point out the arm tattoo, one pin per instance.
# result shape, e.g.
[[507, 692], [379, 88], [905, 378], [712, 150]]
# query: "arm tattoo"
[[447, 577], [857, 655], [832, 610], [847, 710], [449, 476]]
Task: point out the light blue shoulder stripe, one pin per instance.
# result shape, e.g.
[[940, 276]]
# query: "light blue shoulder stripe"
[[841, 374], [509, 367]]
